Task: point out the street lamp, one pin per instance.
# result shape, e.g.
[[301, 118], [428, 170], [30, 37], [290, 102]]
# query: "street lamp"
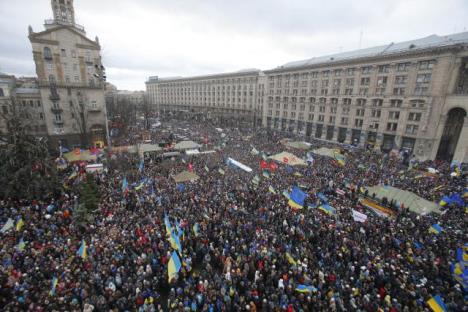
[[100, 75]]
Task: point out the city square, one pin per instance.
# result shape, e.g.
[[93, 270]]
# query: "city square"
[[334, 183]]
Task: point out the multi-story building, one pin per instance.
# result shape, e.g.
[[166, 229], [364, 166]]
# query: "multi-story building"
[[412, 95], [228, 98], [70, 79], [7, 85]]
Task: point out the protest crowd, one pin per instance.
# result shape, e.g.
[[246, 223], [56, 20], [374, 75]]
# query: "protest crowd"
[[231, 240]]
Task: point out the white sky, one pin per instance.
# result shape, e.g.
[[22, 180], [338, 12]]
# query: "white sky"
[[141, 38]]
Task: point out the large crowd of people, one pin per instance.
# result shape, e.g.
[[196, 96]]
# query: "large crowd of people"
[[242, 247]]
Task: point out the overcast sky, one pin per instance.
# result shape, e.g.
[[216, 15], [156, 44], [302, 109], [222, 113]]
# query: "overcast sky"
[[141, 38]]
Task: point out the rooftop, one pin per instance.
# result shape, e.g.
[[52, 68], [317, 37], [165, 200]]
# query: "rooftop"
[[432, 41], [240, 72]]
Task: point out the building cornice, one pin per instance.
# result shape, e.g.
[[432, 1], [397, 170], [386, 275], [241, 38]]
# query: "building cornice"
[[35, 37], [213, 76], [43, 41], [367, 59]]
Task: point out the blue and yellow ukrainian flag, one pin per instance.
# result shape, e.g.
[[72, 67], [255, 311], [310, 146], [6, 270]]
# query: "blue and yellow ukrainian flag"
[[462, 255], [174, 266], [435, 228], [444, 201], [175, 242], [21, 245], [167, 223], [305, 289], [436, 304], [327, 209], [290, 259], [54, 286], [82, 252], [196, 229], [286, 194], [341, 159], [297, 197]]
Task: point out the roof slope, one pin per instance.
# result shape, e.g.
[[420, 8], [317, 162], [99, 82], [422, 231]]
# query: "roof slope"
[[432, 41]]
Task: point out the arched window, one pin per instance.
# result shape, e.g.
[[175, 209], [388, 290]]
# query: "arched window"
[[47, 53]]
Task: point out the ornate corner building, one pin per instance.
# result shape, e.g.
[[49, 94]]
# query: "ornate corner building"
[[71, 80]]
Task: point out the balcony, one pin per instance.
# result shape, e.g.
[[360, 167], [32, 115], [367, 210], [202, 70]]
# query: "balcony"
[[58, 122], [54, 96], [94, 109], [56, 109], [51, 22]]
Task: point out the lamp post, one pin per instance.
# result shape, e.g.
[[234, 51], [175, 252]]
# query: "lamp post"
[[101, 76]]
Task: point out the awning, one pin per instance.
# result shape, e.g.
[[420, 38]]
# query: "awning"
[[288, 159], [185, 145], [185, 176]]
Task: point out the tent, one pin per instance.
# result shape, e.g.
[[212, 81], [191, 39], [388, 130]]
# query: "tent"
[[298, 145], [186, 145], [124, 149], [185, 176], [148, 148], [288, 158], [323, 151], [410, 200], [84, 155]]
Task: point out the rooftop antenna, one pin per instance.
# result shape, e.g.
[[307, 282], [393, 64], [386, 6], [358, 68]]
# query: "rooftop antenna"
[[360, 38]]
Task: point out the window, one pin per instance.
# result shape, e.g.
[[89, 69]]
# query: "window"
[[5, 109], [324, 83], [311, 117], [414, 116], [377, 102], [358, 123], [285, 106], [51, 79], [360, 112], [382, 81], [314, 74], [384, 68], [376, 113], [350, 71], [403, 67], [337, 72], [63, 52], [324, 92], [331, 119], [350, 81], [88, 56], [1, 92], [396, 103], [348, 91], [293, 115], [345, 110], [47, 53], [398, 91], [366, 70], [322, 109], [346, 101], [394, 115], [417, 103], [420, 90], [424, 65], [401, 80], [41, 116], [73, 53], [312, 100], [365, 81], [321, 118], [361, 102], [363, 91], [423, 78], [344, 121], [38, 103], [412, 129], [325, 73], [333, 110]]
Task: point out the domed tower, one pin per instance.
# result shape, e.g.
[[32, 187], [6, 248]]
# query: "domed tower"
[[63, 11]]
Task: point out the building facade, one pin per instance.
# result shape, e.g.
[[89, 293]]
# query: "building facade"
[[70, 80], [230, 98], [411, 95], [21, 99]]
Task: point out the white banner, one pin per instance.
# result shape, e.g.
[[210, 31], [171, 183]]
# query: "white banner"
[[231, 161], [359, 217]]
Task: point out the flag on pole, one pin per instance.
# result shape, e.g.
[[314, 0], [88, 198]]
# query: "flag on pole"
[[21, 245], [327, 209], [435, 228], [124, 185], [297, 197], [174, 266], [290, 259], [358, 216], [175, 242], [305, 289], [54, 286], [82, 251], [436, 304], [19, 224], [263, 164], [7, 226], [196, 229]]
